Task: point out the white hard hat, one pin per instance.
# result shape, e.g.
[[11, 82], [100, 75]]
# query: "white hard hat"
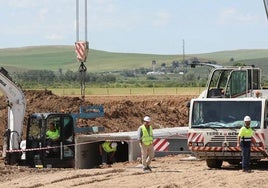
[[247, 118], [147, 119], [114, 145]]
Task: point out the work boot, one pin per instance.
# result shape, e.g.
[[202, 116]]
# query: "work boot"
[[145, 169], [149, 168]]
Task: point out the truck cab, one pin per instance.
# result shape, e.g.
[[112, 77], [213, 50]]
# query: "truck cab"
[[232, 82]]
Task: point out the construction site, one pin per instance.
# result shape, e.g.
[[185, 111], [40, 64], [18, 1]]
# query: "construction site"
[[125, 113], [194, 138]]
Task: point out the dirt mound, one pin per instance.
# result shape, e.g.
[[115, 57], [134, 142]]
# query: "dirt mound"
[[122, 113]]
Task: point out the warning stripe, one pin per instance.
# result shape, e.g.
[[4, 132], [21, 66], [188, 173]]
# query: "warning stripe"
[[79, 52], [216, 149], [195, 137], [258, 138], [81, 49], [160, 144]]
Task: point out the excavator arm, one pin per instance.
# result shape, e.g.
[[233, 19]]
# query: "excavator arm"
[[16, 110]]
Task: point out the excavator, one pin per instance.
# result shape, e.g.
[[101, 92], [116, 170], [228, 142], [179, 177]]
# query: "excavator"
[[34, 151], [16, 110]]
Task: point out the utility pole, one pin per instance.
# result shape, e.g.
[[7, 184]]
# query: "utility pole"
[[154, 64], [81, 48], [183, 51]]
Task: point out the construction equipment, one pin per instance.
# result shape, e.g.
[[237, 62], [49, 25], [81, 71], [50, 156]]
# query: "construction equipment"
[[37, 152], [16, 110], [232, 82], [216, 116], [62, 153]]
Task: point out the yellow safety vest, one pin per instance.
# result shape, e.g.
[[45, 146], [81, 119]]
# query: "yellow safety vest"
[[147, 137], [53, 134], [245, 134], [107, 148]]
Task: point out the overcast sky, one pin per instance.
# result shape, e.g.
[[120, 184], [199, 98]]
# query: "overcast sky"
[[137, 26]]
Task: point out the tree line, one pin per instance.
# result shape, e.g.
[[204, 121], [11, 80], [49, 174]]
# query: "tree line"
[[176, 74], [125, 78]]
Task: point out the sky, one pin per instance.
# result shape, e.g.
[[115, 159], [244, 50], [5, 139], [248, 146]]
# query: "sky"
[[137, 26]]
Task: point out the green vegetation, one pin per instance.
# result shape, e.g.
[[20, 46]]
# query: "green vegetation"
[[56, 67], [64, 57]]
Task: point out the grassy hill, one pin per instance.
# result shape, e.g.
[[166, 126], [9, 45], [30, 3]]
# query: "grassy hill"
[[64, 57]]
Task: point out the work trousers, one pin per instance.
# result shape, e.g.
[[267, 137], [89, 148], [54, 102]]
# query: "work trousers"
[[147, 154], [107, 158], [245, 156]]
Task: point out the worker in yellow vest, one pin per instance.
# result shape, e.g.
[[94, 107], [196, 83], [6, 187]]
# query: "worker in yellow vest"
[[244, 141], [52, 137], [53, 133], [107, 151], [145, 137]]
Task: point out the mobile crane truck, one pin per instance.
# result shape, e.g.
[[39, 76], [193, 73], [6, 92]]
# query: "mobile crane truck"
[[34, 150], [216, 116]]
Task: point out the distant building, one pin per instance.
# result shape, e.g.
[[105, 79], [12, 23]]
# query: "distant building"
[[155, 73]]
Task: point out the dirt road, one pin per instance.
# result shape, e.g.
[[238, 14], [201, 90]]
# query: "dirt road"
[[168, 172]]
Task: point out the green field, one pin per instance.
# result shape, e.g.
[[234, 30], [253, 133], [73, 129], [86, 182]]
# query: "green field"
[[130, 91], [60, 59], [64, 57]]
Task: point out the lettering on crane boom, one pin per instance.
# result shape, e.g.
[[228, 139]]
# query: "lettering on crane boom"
[[222, 134]]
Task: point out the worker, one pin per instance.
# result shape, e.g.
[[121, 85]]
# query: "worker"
[[107, 151], [52, 134], [244, 141], [145, 137]]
